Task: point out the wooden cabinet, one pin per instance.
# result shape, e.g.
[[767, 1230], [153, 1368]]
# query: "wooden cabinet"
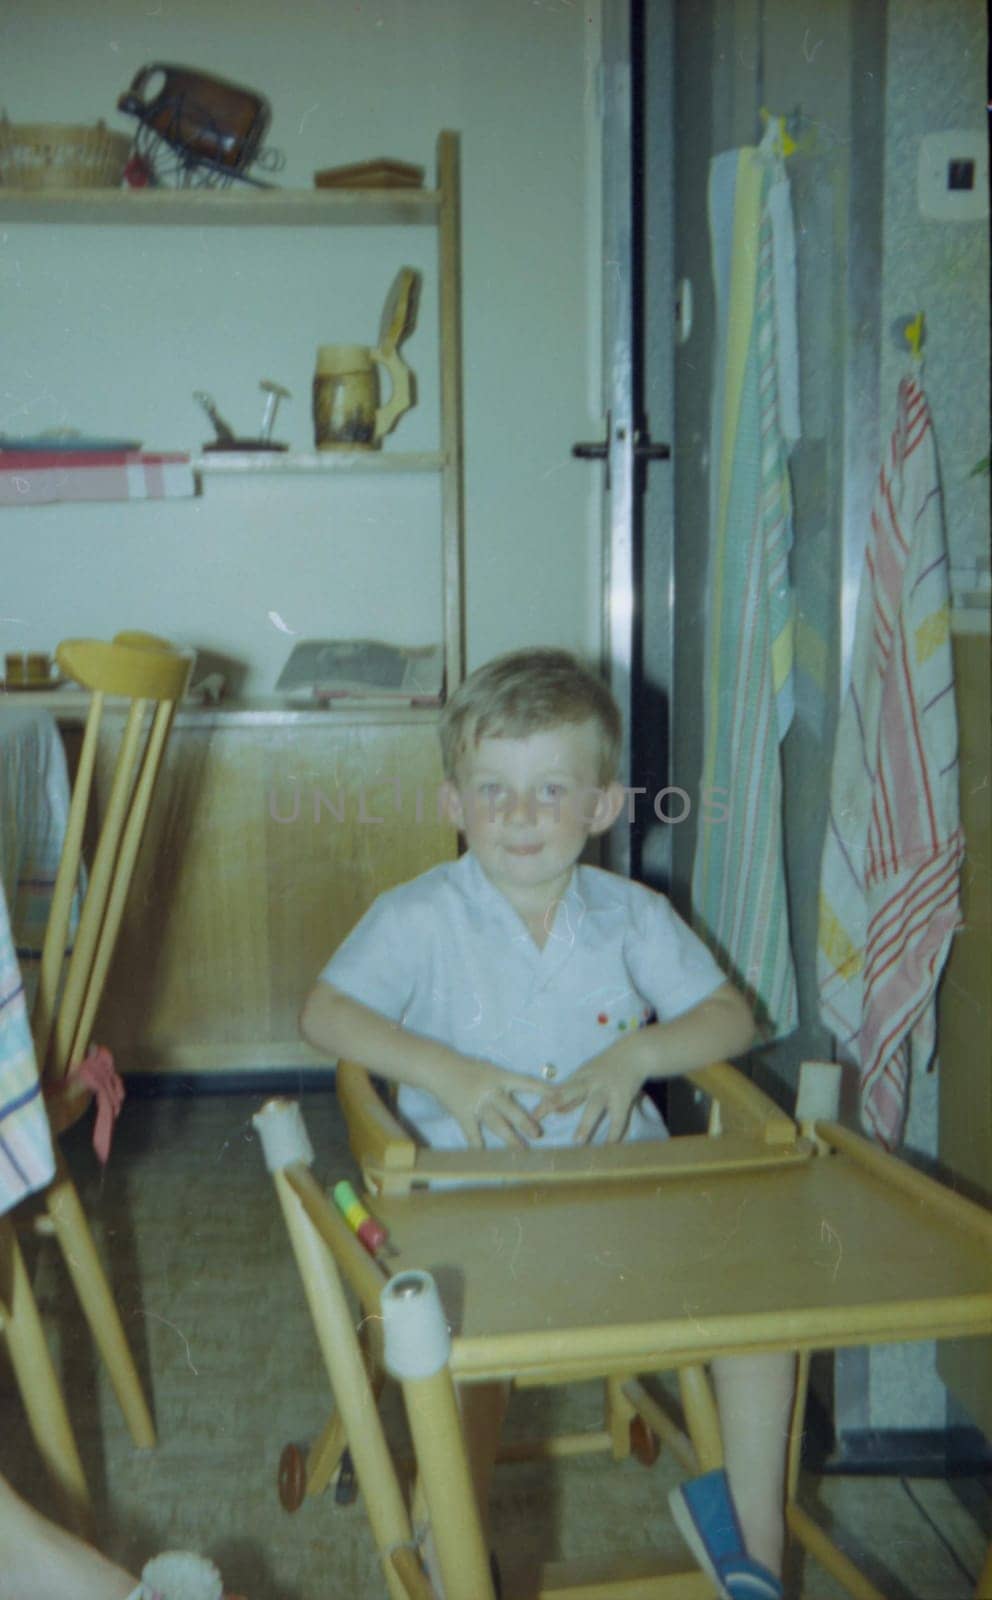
[[965, 1015], [271, 833]]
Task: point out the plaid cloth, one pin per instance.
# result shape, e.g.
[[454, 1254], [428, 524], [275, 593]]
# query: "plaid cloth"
[[34, 807], [36, 477], [889, 899]]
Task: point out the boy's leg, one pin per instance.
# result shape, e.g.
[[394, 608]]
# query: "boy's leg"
[[754, 1397]]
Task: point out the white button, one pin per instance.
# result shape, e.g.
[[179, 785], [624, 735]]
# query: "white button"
[[549, 1071]]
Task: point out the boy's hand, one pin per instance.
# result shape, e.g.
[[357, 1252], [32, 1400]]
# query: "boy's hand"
[[480, 1095], [607, 1085]]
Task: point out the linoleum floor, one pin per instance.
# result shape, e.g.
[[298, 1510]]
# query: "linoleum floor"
[[187, 1217]]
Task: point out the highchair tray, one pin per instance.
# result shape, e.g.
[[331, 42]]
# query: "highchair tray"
[[852, 1247]]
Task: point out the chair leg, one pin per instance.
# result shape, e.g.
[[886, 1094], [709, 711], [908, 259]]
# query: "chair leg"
[[702, 1418], [39, 1386], [86, 1270]]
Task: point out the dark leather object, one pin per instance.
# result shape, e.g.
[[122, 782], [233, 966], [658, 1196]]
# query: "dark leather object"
[[214, 121]]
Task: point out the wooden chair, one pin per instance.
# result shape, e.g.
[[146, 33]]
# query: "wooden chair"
[[152, 675], [48, 1417], [797, 1174]]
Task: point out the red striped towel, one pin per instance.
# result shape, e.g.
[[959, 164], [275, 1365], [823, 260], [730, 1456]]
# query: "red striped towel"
[[889, 901], [38, 477]]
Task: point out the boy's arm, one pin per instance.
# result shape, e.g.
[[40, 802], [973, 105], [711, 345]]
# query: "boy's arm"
[[718, 1027], [477, 1093]]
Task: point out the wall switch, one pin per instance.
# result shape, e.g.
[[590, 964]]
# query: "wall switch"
[[683, 311], [953, 177]]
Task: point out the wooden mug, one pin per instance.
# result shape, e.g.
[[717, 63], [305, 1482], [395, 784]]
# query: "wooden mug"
[[347, 414]]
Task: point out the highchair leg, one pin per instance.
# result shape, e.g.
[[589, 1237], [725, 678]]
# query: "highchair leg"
[[702, 1418], [324, 1455], [38, 1384], [86, 1271], [418, 1349], [793, 1460], [832, 1560], [802, 1527], [620, 1413], [349, 1380], [655, 1417]]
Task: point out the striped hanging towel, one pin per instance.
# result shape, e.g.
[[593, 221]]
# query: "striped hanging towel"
[[738, 880], [889, 880]]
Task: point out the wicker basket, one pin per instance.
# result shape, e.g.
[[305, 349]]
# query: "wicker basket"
[[52, 155]]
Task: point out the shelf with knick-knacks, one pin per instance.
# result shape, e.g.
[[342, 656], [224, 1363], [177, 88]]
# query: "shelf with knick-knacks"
[[361, 454], [231, 207]]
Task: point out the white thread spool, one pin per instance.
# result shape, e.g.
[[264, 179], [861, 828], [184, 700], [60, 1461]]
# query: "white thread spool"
[[283, 1134], [416, 1337], [818, 1097]]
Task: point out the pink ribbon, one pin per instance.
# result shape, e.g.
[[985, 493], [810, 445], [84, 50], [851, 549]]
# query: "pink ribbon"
[[106, 1085]]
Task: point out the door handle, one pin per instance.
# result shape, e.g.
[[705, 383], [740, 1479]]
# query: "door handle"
[[644, 450]]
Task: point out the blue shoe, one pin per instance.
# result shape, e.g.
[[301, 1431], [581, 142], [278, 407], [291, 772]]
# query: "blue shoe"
[[706, 1517]]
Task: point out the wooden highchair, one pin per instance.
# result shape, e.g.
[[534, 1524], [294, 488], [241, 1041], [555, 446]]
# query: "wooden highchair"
[[609, 1262], [392, 1163], [152, 675]]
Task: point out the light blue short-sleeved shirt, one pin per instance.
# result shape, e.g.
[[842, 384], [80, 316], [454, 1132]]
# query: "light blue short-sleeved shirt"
[[449, 957]]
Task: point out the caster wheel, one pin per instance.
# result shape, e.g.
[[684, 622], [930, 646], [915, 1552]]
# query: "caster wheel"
[[346, 1488], [292, 1478], [644, 1444]]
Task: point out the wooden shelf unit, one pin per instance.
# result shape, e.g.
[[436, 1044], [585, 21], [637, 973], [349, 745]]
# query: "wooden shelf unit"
[[276, 825]]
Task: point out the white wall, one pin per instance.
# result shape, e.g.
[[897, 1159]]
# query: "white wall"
[[110, 331], [936, 81]]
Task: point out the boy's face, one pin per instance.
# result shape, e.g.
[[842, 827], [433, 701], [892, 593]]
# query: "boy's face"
[[527, 806]]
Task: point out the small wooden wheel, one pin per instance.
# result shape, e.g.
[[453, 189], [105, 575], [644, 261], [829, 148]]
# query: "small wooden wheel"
[[644, 1444], [292, 1478]]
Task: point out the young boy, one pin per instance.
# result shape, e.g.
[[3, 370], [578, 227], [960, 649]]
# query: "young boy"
[[515, 995]]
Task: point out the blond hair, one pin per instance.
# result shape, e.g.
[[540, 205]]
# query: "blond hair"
[[525, 692]]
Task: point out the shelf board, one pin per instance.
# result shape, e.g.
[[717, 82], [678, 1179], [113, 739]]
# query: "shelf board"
[[237, 206], [227, 462], [69, 703]]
